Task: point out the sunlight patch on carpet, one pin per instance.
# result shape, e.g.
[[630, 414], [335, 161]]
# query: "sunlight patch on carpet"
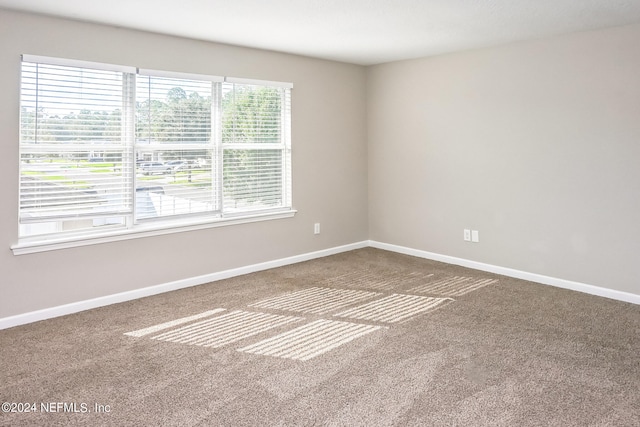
[[394, 308], [454, 286], [383, 281], [315, 300], [172, 323], [225, 329], [310, 340]]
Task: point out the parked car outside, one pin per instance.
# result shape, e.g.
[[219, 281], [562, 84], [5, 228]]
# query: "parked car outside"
[[149, 168], [176, 165], [181, 165]]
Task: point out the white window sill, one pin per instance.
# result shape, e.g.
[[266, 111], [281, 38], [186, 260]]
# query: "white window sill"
[[34, 245]]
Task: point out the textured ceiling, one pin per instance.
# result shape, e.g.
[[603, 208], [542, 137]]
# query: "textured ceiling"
[[357, 31]]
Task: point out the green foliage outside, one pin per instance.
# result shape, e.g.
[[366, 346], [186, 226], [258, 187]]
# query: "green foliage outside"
[[251, 116]]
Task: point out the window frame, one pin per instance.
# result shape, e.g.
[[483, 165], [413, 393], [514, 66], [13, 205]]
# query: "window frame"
[[135, 228]]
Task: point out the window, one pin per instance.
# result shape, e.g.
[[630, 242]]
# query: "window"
[[115, 149], [176, 146]]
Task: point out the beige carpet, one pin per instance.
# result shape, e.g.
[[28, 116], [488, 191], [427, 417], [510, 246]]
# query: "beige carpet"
[[364, 338]]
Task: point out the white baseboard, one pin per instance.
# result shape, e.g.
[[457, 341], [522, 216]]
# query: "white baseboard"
[[48, 313], [533, 277]]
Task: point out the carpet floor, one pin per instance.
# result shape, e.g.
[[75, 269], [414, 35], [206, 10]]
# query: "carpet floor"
[[362, 338]]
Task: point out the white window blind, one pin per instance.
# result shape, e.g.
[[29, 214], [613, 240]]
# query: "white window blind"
[[176, 144], [256, 146], [104, 146], [74, 161]]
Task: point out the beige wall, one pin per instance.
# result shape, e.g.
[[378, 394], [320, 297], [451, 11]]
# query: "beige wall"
[[536, 145], [329, 166]]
